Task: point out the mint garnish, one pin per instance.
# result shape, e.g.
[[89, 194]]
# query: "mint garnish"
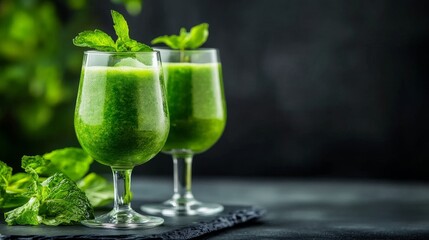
[[53, 189], [101, 41], [186, 40], [57, 201], [96, 39]]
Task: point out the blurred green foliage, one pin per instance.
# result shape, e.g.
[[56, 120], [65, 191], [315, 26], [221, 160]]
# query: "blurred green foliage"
[[39, 72], [133, 7]]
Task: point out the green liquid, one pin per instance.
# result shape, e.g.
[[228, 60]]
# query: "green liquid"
[[121, 119], [196, 104]]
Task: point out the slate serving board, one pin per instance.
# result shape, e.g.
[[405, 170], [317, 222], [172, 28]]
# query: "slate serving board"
[[187, 227]]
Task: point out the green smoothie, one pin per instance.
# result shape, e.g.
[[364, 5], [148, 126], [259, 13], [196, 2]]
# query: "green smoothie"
[[196, 104], [120, 117]]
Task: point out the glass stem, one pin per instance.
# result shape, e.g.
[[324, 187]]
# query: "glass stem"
[[182, 177], [122, 185], [182, 55]]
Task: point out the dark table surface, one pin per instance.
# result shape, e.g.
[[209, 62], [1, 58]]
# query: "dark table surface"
[[310, 209], [317, 209]]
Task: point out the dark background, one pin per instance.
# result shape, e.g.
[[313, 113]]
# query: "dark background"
[[313, 88]]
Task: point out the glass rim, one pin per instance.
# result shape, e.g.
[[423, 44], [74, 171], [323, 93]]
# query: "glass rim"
[[199, 50], [118, 53]]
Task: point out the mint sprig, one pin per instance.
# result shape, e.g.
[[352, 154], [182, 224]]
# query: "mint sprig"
[[101, 41], [53, 189], [186, 40]]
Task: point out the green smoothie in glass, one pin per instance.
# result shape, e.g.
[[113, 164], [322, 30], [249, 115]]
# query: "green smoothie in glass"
[[125, 124], [121, 116], [196, 103]]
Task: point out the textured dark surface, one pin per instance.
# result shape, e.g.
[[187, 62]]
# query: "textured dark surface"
[[310, 209], [173, 228]]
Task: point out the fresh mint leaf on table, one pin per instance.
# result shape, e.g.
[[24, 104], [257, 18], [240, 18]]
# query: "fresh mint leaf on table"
[[47, 193], [101, 41], [186, 40], [38, 165], [57, 201], [27, 214], [5, 174], [97, 189], [13, 188], [75, 169], [60, 193], [17, 192]]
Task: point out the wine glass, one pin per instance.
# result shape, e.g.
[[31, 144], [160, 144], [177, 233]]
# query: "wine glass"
[[196, 103], [121, 120]]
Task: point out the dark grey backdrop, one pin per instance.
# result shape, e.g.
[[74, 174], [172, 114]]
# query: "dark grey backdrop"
[[314, 88]]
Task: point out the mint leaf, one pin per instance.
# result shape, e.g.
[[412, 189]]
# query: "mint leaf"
[[27, 214], [18, 191], [185, 40], [96, 39], [19, 182], [198, 36], [101, 41], [37, 165], [58, 201], [134, 46], [73, 162], [13, 200], [5, 174], [120, 25], [171, 41], [124, 43], [63, 202], [15, 190], [98, 190]]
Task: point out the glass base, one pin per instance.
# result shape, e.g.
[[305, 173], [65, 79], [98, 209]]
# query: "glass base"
[[179, 208], [123, 219]]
